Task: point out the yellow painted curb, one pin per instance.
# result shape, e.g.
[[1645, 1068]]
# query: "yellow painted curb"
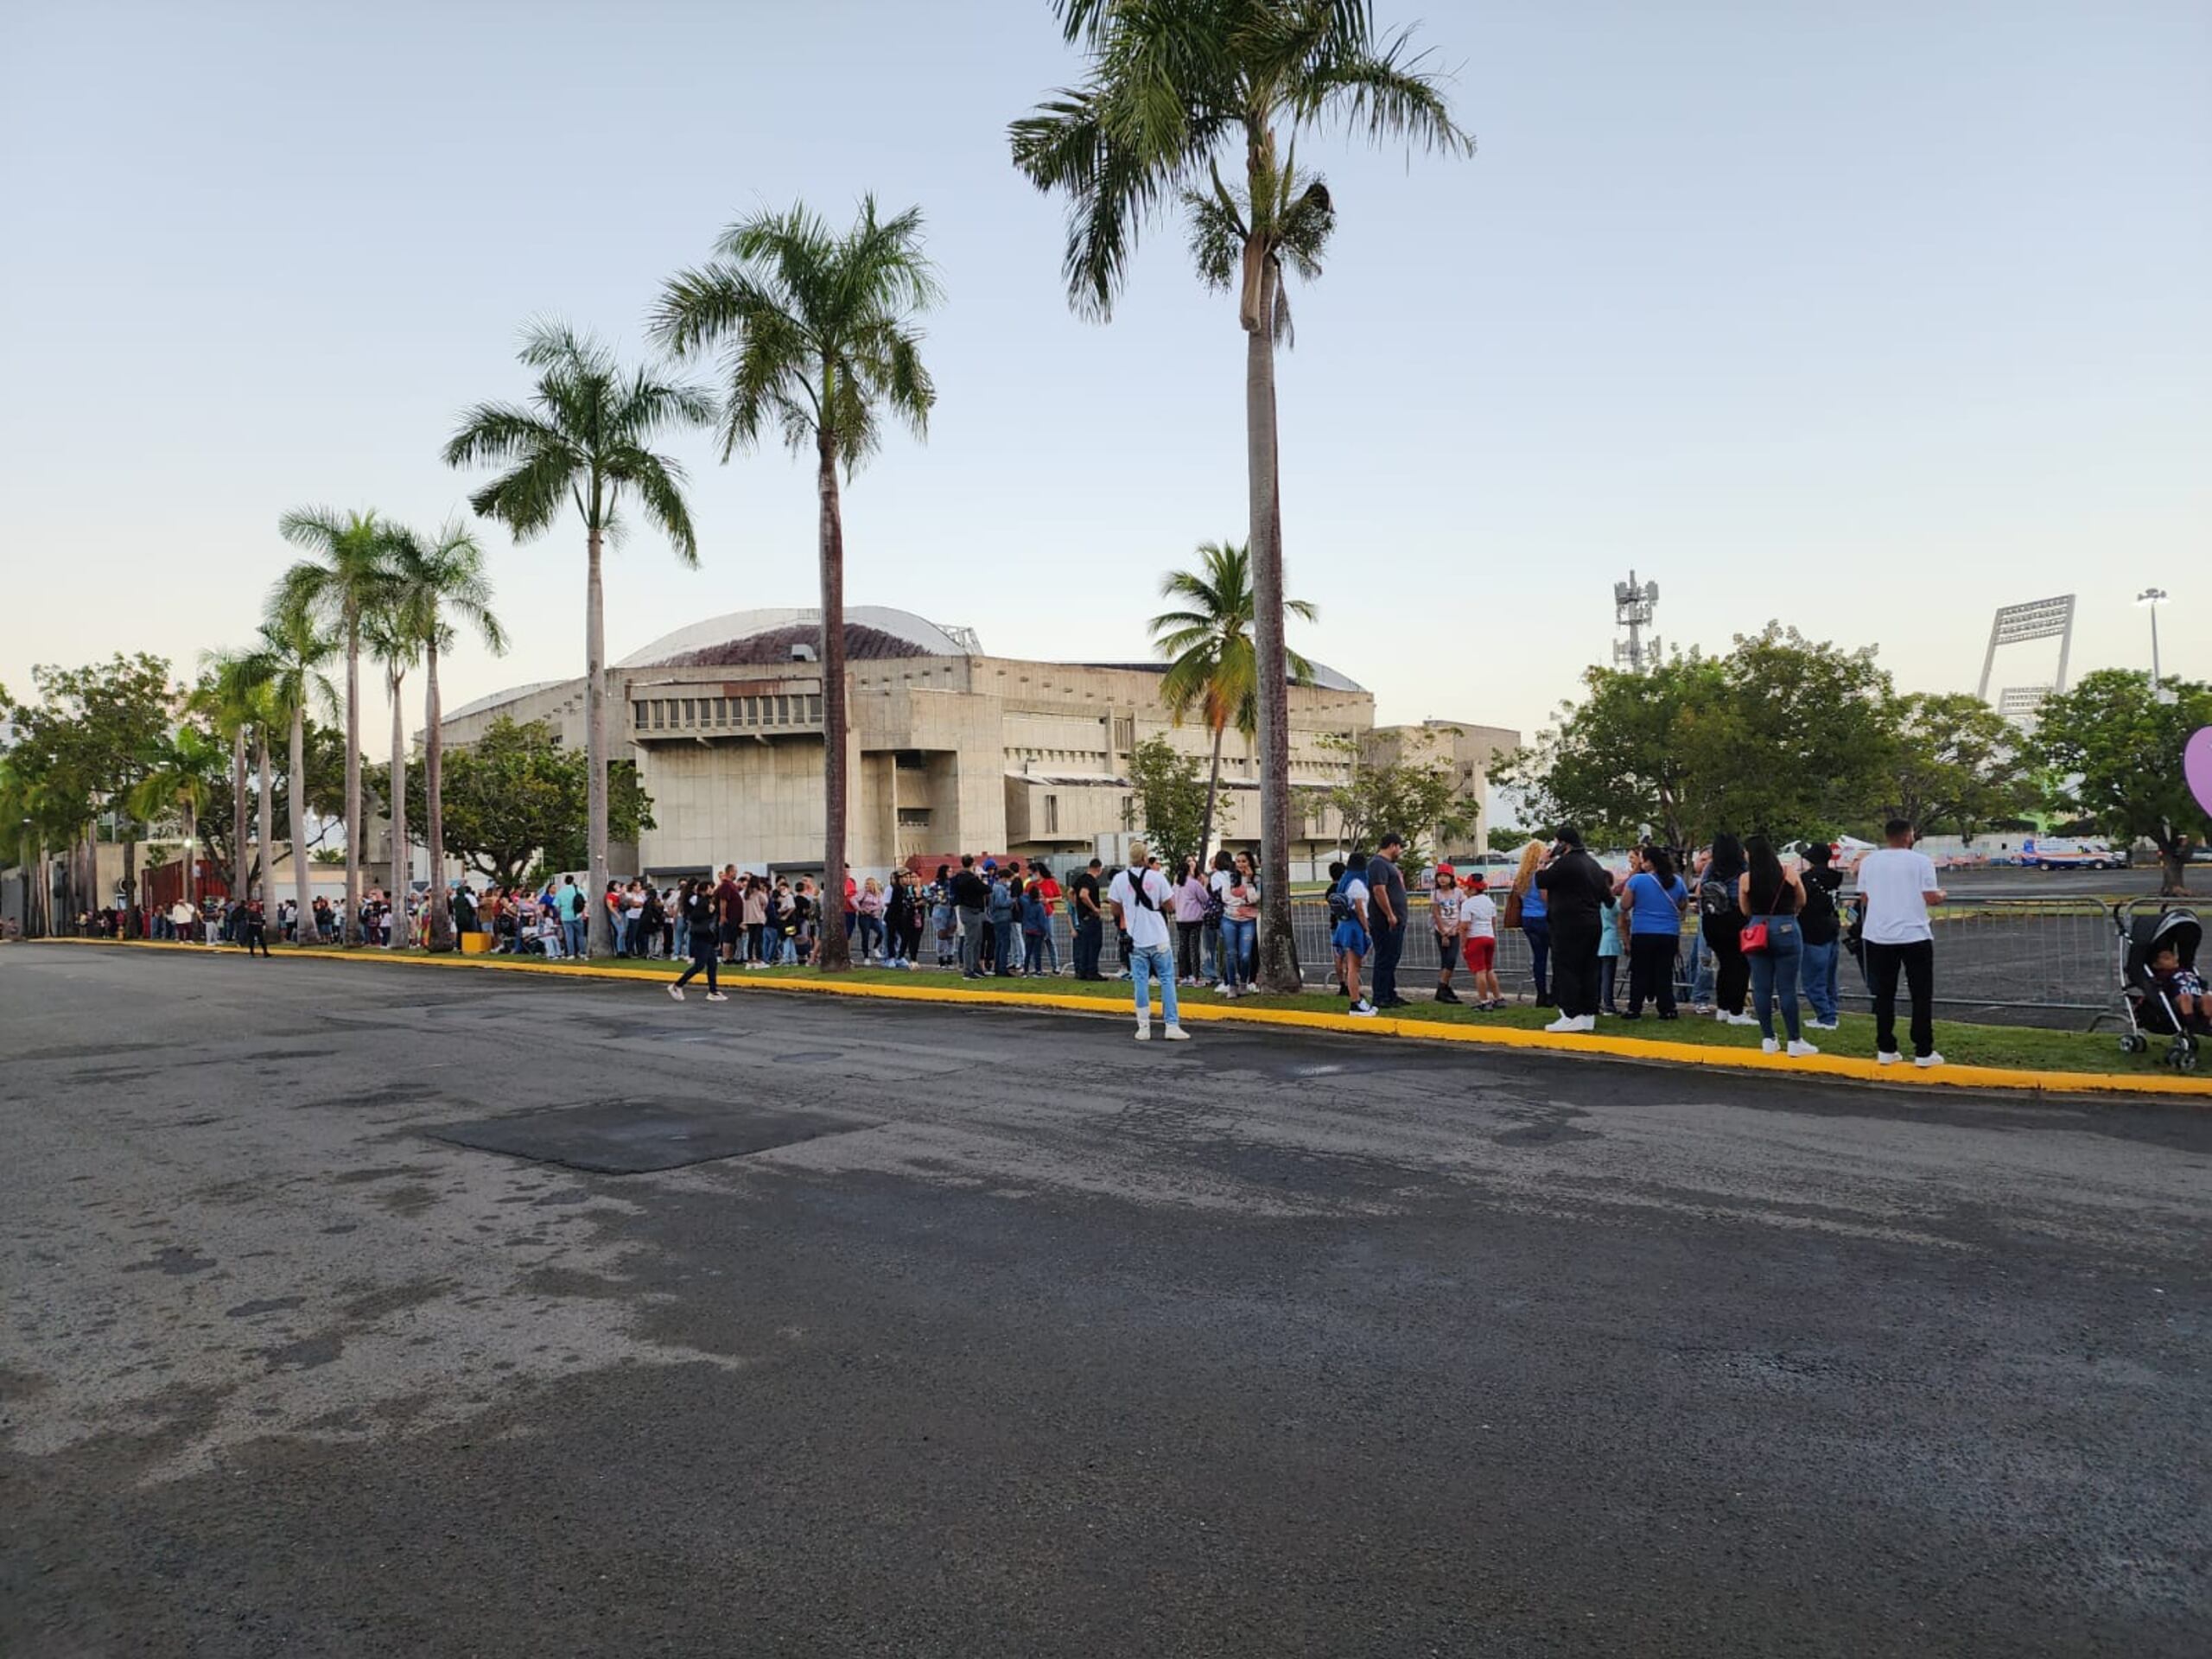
[[1630, 1048]]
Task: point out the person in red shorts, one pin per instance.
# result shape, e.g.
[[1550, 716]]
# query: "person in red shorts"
[[1479, 941]]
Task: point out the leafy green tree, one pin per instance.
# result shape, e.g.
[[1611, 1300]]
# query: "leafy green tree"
[[515, 800], [818, 337], [1418, 798], [440, 582], [2118, 744], [184, 775], [1782, 735], [338, 588], [1170, 800], [80, 747], [585, 439], [1212, 667], [1955, 764], [1173, 93]]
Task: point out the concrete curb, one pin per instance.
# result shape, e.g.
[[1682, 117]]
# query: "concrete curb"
[[1986, 1077]]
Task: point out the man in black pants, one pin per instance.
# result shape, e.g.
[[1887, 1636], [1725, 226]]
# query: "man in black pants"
[[1575, 887], [253, 927], [1083, 908], [1386, 912], [970, 896], [1895, 886]]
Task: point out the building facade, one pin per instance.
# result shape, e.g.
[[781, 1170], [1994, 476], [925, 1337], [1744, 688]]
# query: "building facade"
[[1469, 749]]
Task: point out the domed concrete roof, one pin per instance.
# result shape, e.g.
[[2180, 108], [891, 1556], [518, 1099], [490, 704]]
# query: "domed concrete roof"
[[871, 631]]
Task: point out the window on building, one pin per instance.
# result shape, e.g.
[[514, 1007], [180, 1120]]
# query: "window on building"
[[721, 711], [1125, 732], [814, 710], [913, 817], [690, 711], [783, 711], [660, 714], [1129, 811], [911, 760], [637, 715], [1052, 815]]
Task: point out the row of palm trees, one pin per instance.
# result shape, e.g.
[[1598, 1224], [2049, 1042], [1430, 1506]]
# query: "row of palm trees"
[[366, 585], [815, 335]]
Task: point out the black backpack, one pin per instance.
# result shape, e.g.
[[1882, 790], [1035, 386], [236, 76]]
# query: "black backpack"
[[1716, 898], [1339, 905]]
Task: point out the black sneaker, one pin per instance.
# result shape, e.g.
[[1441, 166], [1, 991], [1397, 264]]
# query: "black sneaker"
[[1445, 994]]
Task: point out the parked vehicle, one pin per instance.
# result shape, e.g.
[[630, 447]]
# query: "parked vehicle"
[[2064, 853]]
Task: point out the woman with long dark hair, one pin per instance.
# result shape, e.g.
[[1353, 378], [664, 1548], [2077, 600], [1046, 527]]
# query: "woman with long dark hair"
[[697, 901], [1771, 897], [1721, 919], [1652, 905]]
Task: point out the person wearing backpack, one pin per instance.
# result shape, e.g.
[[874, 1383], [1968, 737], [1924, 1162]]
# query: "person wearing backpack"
[[1721, 919], [1138, 898], [1820, 929], [1347, 928]]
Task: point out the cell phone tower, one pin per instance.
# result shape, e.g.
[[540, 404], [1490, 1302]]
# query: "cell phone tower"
[[1633, 605]]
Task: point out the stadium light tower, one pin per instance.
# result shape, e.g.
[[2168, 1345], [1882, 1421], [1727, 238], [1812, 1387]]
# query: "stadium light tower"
[[1632, 609], [2152, 598], [2039, 619]]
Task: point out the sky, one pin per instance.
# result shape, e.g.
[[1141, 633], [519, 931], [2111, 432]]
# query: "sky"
[[1865, 319]]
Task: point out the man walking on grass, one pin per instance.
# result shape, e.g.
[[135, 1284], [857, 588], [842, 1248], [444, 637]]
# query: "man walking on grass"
[[1138, 896], [1895, 886]]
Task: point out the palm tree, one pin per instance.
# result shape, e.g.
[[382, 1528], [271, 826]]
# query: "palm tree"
[[817, 336], [394, 644], [175, 780], [340, 586], [440, 580], [1175, 91], [1212, 667], [220, 699], [291, 660], [235, 697], [585, 437]]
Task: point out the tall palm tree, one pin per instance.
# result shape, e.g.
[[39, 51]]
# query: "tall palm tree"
[[292, 654], [1175, 92], [817, 337], [235, 696], [341, 586], [585, 438], [393, 643], [440, 580], [1211, 669], [175, 781], [221, 699]]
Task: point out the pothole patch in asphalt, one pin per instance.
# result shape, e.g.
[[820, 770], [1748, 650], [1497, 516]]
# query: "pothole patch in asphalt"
[[634, 1137]]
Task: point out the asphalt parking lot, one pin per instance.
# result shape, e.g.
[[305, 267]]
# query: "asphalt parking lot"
[[353, 1310]]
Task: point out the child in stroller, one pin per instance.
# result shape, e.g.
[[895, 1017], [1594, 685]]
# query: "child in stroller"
[[2160, 991]]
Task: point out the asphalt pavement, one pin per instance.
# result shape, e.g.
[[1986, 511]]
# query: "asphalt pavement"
[[919, 1332]]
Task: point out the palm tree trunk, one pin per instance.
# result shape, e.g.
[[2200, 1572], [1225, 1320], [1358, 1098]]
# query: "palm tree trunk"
[[303, 881], [1213, 791], [349, 924], [434, 811], [262, 866], [1278, 948], [402, 873], [602, 930], [835, 955], [237, 812]]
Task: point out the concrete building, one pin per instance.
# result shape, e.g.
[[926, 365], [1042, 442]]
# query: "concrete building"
[[952, 749], [1471, 750]]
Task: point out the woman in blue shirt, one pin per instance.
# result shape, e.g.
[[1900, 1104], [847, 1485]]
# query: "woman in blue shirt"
[[1652, 906], [1535, 919]]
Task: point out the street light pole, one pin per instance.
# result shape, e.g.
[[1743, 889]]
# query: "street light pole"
[[2153, 597]]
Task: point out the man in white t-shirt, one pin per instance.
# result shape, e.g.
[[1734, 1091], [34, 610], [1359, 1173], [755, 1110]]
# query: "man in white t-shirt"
[[1896, 886], [1139, 897]]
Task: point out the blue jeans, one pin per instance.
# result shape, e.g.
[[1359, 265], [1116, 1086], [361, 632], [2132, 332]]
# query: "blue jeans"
[[1238, 940], [1817, 974], [1005, 943], [871, 934], [573, 928], [1145, 961], [1539, 934], [1774, 974], [1701, 969]]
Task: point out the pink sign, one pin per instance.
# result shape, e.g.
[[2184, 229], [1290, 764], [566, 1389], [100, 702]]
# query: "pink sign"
[[2196, 767]]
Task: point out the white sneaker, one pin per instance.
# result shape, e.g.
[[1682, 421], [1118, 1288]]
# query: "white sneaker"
[[1587, 1022], [717, 996], [1740, 1019], [676, 991], [1565, 1022], [1924, 1061], [1176, 1034], [1768, 1046], [1888, 1058], [1362, 1009], [1144, 1033], [1798, 1051], [1820, 1024]]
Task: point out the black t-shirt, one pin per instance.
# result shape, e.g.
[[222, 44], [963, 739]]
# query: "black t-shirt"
[[1082, 882], [1819, 923], [1576, 889]]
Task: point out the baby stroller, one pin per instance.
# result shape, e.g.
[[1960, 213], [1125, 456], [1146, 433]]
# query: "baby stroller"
[[2149, 1011]]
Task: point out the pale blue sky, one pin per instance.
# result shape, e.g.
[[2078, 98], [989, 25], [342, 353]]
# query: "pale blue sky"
[[1868, 318]]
